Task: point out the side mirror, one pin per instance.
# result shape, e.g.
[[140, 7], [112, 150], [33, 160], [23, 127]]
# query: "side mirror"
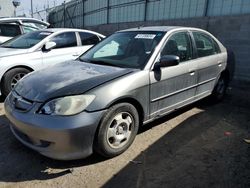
[[169, 60], [49, 46]]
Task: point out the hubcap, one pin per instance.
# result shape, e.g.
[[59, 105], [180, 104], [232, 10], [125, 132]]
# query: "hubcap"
[[119, 130], [16, 78]]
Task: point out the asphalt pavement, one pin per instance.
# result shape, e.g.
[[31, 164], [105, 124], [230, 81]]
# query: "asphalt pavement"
[[202, 145]]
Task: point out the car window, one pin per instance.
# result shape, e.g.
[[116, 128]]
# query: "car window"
[[35, 25], [124, 49], [27, 29], [88, 38], [9, 30], [179, 44], [27, 40], [204, 44], [65, 40]]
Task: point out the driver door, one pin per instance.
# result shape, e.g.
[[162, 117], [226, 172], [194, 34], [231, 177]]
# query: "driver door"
[[175, 86], [66, 49]]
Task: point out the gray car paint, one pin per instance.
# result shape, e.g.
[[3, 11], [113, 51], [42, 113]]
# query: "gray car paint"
[[59, 81]]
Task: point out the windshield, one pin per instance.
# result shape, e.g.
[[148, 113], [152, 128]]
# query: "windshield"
[[125, 49], [27, 40]]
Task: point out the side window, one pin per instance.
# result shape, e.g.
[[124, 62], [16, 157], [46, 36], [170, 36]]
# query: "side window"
[[88, 38], [65, 40], [9, 30], [180, 45], [27, 29], [205, 45]]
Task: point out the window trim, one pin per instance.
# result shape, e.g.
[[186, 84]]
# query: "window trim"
[[191, 43], [212, 40], [63, 33], [80, 40], [20, 29]]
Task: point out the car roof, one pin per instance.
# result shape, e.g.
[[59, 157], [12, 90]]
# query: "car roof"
[[156, 28], [54, 30], [20, 19]]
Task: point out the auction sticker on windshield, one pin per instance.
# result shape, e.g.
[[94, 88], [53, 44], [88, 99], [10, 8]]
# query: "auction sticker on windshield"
[[145, 36]]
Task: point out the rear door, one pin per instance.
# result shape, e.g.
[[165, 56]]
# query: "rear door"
[[210, 62], [66, 49], [172, 87]]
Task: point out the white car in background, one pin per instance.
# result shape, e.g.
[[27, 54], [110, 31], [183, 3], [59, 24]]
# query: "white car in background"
[[12, 27], [40, 49]]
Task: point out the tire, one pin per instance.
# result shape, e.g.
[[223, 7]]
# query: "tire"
[[10, 79], [219, 91], [117, 130]]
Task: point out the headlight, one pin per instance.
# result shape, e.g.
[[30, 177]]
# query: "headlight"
[[67, 105]]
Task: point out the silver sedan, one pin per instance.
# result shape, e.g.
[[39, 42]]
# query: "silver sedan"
[[98, 102]]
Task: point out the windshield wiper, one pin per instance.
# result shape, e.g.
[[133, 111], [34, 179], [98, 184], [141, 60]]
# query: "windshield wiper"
[[100, 62]]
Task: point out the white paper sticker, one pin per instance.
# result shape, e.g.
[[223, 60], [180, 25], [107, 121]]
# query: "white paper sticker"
[[145, 36], [45, 33]]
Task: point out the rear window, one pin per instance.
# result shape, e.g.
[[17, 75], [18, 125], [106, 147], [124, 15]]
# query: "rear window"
[[88, 38], [9, 30]]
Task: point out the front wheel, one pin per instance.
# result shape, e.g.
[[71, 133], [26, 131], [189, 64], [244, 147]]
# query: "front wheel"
[[117, 130], [11, 78]]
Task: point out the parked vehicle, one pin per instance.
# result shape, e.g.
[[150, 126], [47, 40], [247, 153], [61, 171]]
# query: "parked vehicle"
[[98, 102], [39, 49], [11, 27]]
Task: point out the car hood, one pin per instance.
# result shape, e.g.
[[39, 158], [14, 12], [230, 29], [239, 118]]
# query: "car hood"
[[4, 52], [64, 79]]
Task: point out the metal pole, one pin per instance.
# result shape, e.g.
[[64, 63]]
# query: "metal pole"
[[206, 8], [107, 11], [145, 10], [31, 3], [64, 14], [83, 15]]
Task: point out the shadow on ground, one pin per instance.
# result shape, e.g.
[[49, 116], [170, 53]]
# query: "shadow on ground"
[[205, 150]]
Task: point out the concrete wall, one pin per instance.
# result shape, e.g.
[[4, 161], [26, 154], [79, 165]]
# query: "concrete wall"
[[232, 31]]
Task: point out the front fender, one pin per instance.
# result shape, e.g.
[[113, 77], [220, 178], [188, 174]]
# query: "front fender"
[[133, 86]]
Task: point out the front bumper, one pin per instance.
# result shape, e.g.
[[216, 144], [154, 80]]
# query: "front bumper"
[[57, 137]]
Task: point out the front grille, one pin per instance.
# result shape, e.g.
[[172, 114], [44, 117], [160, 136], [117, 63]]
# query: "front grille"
[[19, 103]]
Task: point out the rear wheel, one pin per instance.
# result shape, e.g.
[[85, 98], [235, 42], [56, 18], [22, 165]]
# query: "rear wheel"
[[11, 78], [220, 89], [117, 130]]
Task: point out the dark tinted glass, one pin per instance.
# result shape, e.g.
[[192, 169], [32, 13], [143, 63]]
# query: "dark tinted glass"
[[124, 49], [88, 38], [65, 40], [9, 30], [27, 40], [205, 44], [179, 44]]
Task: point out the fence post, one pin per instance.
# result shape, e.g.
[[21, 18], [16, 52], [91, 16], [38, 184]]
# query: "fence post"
[[64, 14], [107, 11], [145, 11], [206, 8], [83, 24]]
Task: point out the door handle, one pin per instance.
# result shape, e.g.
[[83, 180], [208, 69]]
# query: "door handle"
[[220, 63], [192, 72]]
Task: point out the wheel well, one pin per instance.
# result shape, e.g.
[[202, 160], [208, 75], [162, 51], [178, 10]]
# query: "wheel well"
[[135, 103], [226, 74], [20, 66]]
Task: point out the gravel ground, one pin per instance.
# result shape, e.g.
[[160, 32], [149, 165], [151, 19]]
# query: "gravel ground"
[[201, 145]]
